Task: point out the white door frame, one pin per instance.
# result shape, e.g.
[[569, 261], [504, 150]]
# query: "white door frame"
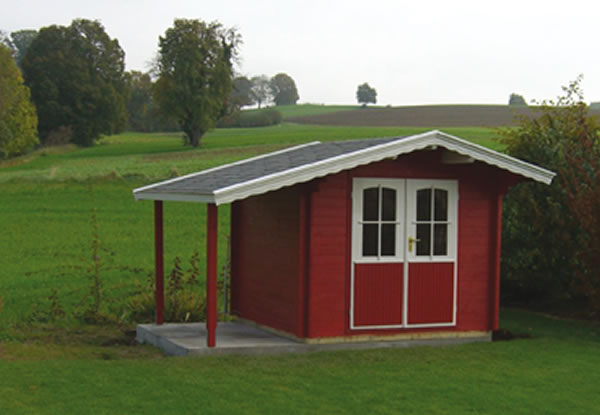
[[404, 213]]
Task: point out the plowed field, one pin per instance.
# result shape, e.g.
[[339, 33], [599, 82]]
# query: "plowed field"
[[421, 116]]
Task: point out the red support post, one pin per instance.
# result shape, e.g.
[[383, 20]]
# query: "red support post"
[[159, 295], [211, 274], [498, 248]]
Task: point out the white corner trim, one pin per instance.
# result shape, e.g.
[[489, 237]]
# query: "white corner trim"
[[200, 173]]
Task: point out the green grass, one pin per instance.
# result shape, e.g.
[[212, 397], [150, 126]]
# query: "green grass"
[[151, 157], [552, 373], [301, 110]]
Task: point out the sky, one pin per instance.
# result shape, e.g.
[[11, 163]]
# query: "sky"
[[412, 52]]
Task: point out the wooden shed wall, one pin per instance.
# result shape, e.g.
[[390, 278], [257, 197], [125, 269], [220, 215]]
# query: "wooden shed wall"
[[265, 244], [271, 286]]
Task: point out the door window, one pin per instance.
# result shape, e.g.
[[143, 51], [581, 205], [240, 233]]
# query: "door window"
[[433, 219], [377, 213]]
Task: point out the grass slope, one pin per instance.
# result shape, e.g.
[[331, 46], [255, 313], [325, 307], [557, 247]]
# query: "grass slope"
[[302, 110]]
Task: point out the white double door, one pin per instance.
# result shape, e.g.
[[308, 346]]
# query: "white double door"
[[404, 247]]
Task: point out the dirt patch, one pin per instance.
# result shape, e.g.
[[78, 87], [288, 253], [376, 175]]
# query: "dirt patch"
[[504, 335], [422, 116]]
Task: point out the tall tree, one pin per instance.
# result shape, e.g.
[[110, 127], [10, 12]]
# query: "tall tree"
[[261, 89], [195, 71], [366, 95], [18, 120], [76, 76], [21, 40], [283, 89]]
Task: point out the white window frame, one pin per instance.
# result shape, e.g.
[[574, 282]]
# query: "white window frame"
[[451, 186], [357, 230]]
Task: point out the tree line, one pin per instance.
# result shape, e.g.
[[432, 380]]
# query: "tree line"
[[75, 77]]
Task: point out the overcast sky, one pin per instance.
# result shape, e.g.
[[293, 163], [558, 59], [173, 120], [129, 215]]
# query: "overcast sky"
[[413, 52]]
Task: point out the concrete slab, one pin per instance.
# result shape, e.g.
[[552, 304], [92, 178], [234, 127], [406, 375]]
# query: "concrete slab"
[[180, 339]]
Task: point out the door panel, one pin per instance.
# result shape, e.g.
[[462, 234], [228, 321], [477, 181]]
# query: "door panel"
[[378, 294], [431, 293]]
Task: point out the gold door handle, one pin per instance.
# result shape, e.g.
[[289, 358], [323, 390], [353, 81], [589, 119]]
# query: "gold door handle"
[[411, 241]]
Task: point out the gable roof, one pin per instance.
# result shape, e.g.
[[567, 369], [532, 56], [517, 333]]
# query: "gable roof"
[[245, 178]]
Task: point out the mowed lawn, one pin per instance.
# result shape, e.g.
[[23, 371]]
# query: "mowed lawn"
[[555, 372], [47, 202]]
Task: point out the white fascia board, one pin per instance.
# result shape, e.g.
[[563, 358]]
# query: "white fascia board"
[[495, 158], [178, 197], [348, 161], [200, 173]]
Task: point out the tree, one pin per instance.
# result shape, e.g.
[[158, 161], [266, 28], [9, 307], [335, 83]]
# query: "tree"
[[260, 89], [18, 120], [195, 71], [516, 99], [21, 40], [365, 94], [76, 77], [140, 104], [283, 89], [551, 235], [241, 93]]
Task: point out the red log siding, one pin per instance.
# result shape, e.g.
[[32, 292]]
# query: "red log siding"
[[265, 260], [329, 298], [430, 288], [378, 294]]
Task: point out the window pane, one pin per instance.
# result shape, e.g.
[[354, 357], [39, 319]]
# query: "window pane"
[[370, 238], [389, 204], [440, 239], [441, 205], [424, 204], [423, 239], [371, 204], [388, 240]]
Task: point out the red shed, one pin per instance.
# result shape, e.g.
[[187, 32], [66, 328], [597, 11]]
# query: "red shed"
[[381, 238]]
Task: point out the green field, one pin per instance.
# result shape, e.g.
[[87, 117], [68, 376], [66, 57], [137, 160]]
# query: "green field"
[[303, 110], [47, 203]]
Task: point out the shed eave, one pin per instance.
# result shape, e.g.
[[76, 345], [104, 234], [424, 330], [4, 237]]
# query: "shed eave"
[[180, 197]]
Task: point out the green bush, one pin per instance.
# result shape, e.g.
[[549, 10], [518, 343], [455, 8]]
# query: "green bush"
[[262, 118], [550, 247]]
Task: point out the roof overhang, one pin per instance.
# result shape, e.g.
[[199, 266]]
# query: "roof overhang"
[[348, 161]]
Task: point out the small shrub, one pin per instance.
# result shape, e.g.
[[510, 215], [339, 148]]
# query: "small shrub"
[[185, 297]]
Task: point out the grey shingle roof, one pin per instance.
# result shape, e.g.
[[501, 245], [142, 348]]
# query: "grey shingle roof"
[[303, 163], [212, 180]]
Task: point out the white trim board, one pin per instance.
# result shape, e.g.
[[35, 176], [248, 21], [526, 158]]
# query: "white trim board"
[[348, 161]]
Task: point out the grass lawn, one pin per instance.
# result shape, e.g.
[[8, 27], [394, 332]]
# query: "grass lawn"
[[552, 373], [48, 200]]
